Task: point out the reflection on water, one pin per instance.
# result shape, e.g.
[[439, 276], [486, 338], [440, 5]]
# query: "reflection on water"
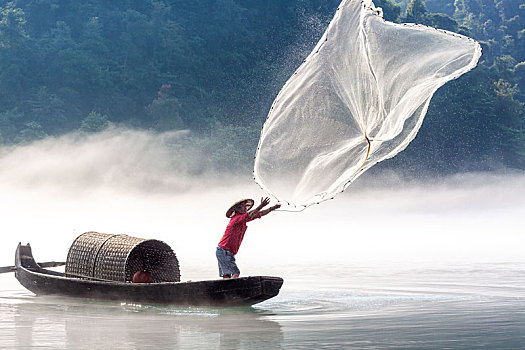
[[34, 322], [476, 306]]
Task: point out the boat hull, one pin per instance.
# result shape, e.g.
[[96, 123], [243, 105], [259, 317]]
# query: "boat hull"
[[225, 292]]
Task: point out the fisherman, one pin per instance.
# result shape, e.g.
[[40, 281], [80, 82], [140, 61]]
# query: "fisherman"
[[239, 214]]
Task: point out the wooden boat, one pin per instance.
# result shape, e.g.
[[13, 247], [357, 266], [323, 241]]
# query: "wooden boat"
[[242, 291]]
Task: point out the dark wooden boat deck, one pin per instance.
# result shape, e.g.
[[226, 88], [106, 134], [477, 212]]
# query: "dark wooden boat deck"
[[242, 291]]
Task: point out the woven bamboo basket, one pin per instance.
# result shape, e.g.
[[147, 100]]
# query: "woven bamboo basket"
[[118, 257]]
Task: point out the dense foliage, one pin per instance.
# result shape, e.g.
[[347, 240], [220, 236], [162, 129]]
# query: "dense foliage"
[[214, 67]]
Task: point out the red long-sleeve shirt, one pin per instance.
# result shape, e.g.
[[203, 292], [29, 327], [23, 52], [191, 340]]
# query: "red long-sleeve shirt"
[[232, 238]]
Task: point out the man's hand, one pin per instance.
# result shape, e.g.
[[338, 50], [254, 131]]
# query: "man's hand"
[[264, 202]]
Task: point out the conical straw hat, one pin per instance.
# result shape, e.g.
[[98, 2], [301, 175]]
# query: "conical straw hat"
[[231, 211]]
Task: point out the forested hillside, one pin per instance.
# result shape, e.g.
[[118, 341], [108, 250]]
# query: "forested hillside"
[[214, 66]]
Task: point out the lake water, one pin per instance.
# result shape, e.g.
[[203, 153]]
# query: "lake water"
[[389, 264], [468, 306]]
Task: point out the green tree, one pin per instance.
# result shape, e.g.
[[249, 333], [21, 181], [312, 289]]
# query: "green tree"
[[441, 21], [47, 109], [94, 122], [10, 122], [15, 55], [164, 110], [519, 70], [391, 10], [31, 131], [416, 11], [12, 27], [511, 121]]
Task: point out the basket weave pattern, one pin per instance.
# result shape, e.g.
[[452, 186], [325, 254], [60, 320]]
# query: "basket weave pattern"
[[118, 257]]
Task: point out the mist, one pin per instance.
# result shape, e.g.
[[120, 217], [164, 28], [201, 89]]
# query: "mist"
[[138, 183]]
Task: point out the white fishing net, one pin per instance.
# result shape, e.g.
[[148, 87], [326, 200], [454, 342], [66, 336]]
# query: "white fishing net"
[[359, 98]]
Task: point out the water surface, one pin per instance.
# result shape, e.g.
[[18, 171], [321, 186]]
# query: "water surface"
[[470, 306]]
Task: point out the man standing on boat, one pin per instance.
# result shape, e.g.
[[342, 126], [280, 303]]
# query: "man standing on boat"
[[239, 214]]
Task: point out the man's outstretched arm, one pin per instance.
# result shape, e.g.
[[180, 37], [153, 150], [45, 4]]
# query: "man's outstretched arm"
[[269, 210], [264, 202]]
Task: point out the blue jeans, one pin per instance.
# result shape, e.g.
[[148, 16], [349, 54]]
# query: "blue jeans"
[[226, 260]]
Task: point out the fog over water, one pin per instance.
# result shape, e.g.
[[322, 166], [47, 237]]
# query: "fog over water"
[[427, 263], [132, 182]]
